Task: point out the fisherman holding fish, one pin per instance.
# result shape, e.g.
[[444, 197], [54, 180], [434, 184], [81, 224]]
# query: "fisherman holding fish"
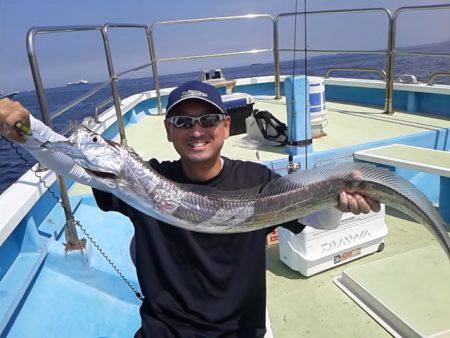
[[195, 284]]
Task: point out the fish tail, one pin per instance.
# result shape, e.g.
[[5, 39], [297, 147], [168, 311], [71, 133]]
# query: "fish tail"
[[377, 182], [404, 196]]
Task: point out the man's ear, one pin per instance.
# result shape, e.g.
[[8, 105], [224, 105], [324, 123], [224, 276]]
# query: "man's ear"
[[169, 136], [226, 124]]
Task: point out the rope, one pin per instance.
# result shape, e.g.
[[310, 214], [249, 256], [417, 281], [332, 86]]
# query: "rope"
[[82, 228]]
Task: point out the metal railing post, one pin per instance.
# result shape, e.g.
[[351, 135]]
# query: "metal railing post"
[[435, 75], [378, 70], [388, 104], [100, 106], [389, 52], [151, 52], [276, 58], [114, 86], [70, 231], [153, 59], [393, 52]]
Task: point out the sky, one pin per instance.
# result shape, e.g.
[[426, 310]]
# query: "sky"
[[72, 56]]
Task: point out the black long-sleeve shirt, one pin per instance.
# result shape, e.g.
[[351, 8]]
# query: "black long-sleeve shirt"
[[197, 284]]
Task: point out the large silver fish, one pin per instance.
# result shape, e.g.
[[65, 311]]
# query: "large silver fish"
[[119, 170]]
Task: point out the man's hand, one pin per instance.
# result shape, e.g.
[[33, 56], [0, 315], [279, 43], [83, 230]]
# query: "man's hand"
[[356, 203], [12, 112]]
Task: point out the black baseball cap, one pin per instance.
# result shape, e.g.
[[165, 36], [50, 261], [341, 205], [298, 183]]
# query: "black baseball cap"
[[195, 90]]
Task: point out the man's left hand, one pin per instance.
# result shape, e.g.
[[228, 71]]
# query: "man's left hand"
[[356, 203]]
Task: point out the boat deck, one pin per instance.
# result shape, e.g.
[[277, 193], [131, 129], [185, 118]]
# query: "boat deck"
[[347, 126], [315, 307]]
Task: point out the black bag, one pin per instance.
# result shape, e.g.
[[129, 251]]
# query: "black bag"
[[271, 128]]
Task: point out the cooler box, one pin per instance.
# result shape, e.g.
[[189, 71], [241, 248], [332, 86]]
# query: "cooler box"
[[314, 250], [239, 106]]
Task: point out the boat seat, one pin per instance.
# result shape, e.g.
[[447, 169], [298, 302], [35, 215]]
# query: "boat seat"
[[427, 160]]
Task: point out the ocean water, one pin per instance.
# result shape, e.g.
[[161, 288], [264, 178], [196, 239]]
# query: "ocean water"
[[12, 167]]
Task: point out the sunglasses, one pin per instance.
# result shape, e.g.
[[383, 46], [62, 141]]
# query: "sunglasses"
[[205, 121]]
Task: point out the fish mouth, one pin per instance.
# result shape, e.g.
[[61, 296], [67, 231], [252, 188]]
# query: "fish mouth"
[[70, 149], [65, 147], [101, 174]]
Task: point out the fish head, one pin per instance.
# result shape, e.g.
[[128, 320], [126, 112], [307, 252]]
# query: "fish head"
[[100, 157]]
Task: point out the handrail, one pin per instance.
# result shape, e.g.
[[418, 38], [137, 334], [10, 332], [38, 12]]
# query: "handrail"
[[80, 99], [378, 70], [422, 7], [203, 56], [211, 19], [435, 75], [32, 32], [155, 59], [134, 69], [100, 106], [333, 51], [417, 53], [393, 38], [390, 52], [151, 51], [73, 242], [387, 52]]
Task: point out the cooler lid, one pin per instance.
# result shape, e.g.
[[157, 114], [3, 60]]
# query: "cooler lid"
[[236, 100]]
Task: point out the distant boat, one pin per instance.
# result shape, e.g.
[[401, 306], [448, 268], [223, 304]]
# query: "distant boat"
[[79, 82], [8, 95]]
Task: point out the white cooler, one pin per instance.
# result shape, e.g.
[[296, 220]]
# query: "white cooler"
[[315, 250], [317, 105]]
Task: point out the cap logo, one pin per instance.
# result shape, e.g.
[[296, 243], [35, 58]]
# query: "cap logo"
[[191, 92]]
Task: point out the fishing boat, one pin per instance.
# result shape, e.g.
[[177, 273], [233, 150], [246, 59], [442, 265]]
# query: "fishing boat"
[[78, 82], [65, 266]]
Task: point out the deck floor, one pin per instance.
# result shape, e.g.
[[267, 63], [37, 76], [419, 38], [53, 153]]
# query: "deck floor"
[[348, 125], [316, 307]]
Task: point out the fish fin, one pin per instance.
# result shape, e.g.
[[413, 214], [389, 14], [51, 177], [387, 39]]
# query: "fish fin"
[[241, 195], [320, 174], [358, 171]]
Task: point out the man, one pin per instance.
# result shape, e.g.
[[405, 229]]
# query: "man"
[[195, 284]]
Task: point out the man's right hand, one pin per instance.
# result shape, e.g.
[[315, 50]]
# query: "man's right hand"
[[12, 112]]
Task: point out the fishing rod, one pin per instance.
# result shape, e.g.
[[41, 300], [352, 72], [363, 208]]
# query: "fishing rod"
[[306, 88], [293, 166]]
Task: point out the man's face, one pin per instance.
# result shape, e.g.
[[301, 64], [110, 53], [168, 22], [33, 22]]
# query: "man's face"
[[198, 144]]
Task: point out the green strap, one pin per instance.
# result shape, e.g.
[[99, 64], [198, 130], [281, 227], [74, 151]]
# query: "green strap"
[[23, 127]]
